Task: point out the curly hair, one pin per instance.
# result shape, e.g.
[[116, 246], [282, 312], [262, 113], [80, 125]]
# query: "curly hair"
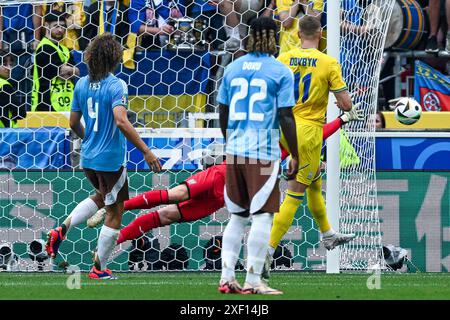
[[262, 36], [102, 56]]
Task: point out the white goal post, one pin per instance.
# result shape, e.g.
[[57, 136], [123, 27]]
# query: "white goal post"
[[356, 35]]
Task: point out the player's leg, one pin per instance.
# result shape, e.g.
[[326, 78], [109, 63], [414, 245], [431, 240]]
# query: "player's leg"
[[206, 185], [262, 183], [146, 200], [82, 212], [283, 219], [447, 13], [146, 222], [231, 247], [309, 140], [190, 188], [107, 241], [316, 205], [186, 211], [236, 199], [434, 8], [153, 198], [113, 186]]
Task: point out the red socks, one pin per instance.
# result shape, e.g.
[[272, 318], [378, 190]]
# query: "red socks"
[[148, 200], [139, 226]]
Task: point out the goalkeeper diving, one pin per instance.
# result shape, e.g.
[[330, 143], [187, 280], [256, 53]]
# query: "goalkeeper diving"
[[195, 198]]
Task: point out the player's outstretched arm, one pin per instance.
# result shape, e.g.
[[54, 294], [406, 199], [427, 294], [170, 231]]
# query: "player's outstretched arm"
[[355, 114], [75, 123], [287, 124], [343, 100], [122, 122]]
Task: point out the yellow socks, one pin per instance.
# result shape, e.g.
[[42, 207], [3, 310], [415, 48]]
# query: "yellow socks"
[[316, 205], [282, 220]]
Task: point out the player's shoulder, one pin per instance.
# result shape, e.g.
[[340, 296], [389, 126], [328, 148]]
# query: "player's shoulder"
[[233, 67], [279, 68], [237, 63], [278, 62], [328, 58], [82, 83], [115, 83], [295, 52]]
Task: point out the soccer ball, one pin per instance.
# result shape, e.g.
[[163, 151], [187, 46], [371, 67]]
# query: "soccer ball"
[[407, 111]]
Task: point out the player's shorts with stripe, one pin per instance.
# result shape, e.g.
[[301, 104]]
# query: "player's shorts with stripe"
[[112, 186], [206, 193], [309, 141], [251, 186]]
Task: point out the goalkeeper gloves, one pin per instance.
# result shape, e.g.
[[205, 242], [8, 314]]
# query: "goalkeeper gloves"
[[355, 114]]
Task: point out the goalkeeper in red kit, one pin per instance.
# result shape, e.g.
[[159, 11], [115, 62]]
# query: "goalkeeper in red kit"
[[195, 198]]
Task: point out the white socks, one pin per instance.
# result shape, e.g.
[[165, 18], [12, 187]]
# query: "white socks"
[[231, 245], [258, 245], [106, 244], [82, 212]]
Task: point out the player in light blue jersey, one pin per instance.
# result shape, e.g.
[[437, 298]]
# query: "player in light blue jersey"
[[254, 87], [256, 97], [102, 100]]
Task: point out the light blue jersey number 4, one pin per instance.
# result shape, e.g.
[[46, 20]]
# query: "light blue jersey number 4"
[[104, 145]]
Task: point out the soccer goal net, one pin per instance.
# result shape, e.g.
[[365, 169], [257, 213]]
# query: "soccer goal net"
[[172, 79]]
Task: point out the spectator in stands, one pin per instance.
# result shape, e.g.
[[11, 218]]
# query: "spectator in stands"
[[447, 11], [19, 27], [238, 14], [149, 20], [53, 68], [355, 31], [436, 13], [75, 19], [380, 121], [105, 16], [289, 12], [177, 8], [206, 11], [10, 108]]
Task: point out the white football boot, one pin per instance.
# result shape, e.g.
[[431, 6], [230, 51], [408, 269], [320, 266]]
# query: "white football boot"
[[337, 239]]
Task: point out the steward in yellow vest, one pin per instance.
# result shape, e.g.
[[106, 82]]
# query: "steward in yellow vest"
[[53, 70]]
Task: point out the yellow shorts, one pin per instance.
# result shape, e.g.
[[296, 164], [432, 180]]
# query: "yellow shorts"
[[309, 140]]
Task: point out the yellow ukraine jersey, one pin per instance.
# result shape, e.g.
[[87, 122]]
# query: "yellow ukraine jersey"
[[315, 74], [289, 36]]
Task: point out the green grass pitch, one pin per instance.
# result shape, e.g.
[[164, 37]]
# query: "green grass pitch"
[[201, 285]]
